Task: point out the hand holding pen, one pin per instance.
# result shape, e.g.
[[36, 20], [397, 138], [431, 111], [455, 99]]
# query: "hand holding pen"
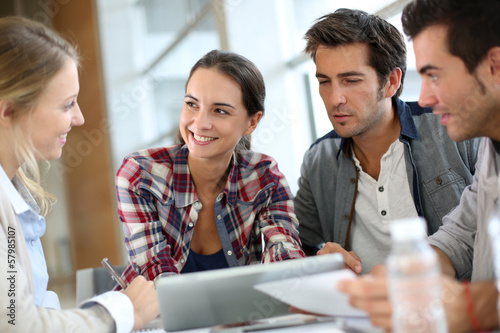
[[141, 293]]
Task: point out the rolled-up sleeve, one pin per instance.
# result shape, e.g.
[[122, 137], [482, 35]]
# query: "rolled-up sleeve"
[[144, 238], [279, 224]]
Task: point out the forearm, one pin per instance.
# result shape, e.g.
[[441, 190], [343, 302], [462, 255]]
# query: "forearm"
[[282, 240], [470, 307], [155, 261], [148, 249], [279, 225], [485, 297]]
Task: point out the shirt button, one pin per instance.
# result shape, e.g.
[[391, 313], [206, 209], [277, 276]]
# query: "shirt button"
[[229, 253], [32, 243], [381, 189], [439, 181], [190, 224], [353, 180], [182, 260], [219, 217], [384, 213], [197, 205], [219, 197], [346, 217]]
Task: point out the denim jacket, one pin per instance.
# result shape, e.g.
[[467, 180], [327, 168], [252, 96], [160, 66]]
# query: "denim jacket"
[[438, 171]]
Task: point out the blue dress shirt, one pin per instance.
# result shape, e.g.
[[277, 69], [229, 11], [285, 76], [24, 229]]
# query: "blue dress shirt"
[[33, 226]]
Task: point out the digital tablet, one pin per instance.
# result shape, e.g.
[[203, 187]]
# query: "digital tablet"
[[227, 296]]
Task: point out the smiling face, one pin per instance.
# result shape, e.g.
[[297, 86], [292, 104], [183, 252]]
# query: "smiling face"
[[350, 89], [464, 100], [55, 113], [213, 117]]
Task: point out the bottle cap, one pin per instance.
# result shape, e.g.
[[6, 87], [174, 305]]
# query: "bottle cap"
[[411, 228]]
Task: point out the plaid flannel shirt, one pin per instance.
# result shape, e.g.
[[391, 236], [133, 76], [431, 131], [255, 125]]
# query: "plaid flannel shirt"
[[158, 205]]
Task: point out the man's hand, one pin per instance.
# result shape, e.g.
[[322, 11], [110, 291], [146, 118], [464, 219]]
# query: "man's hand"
[[484, 298], [369, 293], [455, 305], [351, 259], [142, 293]]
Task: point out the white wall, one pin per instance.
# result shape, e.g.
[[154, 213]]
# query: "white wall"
[[283, 132]]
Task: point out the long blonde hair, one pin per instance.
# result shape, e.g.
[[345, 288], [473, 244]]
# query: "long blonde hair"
[[30, 56]]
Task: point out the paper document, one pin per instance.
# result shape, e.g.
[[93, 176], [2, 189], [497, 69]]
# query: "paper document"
[[315, 293]]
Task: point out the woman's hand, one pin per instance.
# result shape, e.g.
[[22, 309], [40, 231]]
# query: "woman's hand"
[[142, 293]]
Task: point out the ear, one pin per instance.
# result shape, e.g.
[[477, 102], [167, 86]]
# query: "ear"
[[5, 113], [253, 122], [393, 82], [493, 59]]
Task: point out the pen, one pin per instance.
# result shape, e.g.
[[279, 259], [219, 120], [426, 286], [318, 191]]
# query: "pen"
[[114, 275]]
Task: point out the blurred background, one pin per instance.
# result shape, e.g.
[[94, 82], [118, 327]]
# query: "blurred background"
[[136, 58]]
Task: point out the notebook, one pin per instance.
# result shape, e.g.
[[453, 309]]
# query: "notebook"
[[227, 296]]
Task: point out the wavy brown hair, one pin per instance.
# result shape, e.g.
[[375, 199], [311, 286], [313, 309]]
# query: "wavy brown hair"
[[386, 45]]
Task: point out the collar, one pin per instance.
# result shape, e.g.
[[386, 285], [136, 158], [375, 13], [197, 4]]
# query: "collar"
[[183, 185], [405, 111], [16, 200]]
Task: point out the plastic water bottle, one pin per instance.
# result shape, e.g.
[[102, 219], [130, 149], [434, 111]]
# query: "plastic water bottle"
[[414, 280], [494, 231]]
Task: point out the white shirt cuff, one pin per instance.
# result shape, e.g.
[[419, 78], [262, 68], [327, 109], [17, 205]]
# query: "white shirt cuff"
[[51, 300], [120, 308]]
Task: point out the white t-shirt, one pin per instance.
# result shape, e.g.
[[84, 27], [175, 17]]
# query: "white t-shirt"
[[379, 202]]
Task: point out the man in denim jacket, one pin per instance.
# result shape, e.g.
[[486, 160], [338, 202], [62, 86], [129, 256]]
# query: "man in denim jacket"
[[385, 159]]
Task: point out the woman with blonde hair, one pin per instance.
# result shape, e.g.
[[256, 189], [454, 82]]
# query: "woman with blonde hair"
[[38, 107]]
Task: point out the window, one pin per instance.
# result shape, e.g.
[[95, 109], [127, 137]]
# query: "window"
[[149, 47]]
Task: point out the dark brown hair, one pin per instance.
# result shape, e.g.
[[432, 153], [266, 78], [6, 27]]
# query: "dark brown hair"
[[473, 26], [248, 76], [386, 45]]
